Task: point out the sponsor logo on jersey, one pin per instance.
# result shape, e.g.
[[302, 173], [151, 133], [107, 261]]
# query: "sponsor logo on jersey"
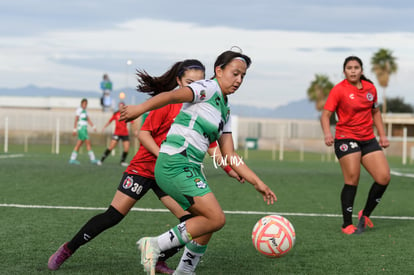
[[370, 97], [200, 184], [202, 95], [351, 96], [128, 182], [343, 147]]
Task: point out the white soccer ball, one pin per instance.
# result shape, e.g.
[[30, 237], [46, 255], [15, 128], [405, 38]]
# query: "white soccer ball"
[[273, 236]]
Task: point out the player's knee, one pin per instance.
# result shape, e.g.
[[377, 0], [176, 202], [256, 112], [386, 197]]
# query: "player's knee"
[[218, 221], [384, 179]]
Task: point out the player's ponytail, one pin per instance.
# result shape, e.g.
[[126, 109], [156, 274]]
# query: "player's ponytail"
[[168, 81]]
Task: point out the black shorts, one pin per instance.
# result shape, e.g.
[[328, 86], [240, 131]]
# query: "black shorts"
[[344, 147], [123, 138], [136, 186]]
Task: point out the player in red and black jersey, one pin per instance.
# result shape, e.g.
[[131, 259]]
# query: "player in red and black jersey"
[[355, 101], [120, 133]]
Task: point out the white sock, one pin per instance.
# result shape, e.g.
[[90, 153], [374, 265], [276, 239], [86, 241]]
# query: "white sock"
[[176, 236], [91, 155], [74, 155], [191, 256]]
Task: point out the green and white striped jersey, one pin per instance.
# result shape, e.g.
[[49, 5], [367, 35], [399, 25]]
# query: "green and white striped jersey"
[[83, 117], [199, 122]]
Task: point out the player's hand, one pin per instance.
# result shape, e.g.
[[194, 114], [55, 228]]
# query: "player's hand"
[[234, 174], [129, 113], [267, 193], [329, 140], [384, 142]]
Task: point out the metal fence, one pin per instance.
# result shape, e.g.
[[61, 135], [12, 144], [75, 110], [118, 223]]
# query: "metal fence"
[[41, 126]]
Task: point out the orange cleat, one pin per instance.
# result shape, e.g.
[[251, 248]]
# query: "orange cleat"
[[350, 229]]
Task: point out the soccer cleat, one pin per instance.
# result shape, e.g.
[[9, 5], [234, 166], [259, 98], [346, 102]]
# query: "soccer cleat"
[[350, 229], [149, 254], [125, 164], [95, 161], [74, 161], [59, 257], [364, 221], [162, 268], [99, 163]]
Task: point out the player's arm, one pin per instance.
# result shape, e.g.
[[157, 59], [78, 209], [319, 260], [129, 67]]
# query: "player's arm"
[[91, 124], [377, 118], [146, 139], [180, 95], [238, 165], [75, 127], [326, 127], [107, 124]]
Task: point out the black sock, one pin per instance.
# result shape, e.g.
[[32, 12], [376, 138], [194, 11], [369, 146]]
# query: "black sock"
[[347, 200], [172, 251], [374, 197], [123, 157], [94, 227], [105, 154]]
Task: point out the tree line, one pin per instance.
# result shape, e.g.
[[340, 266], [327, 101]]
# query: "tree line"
[[383, 65]]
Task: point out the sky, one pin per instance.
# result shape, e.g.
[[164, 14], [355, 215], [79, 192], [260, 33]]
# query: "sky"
[[71, 44]]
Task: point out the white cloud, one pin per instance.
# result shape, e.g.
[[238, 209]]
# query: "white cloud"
[[284, 62]]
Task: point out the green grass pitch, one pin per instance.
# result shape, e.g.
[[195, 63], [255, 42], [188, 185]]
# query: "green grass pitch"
[[308, 195]]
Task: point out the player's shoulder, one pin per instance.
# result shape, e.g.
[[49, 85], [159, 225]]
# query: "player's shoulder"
[[367, 84]]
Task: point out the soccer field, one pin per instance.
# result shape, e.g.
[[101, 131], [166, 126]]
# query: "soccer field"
[[44, 201]]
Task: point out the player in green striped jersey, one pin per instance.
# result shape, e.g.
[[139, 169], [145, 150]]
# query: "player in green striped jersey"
[[204, 118]]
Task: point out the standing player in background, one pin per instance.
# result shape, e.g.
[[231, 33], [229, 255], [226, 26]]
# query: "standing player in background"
[[138, 177], [203, 119], [355, 101], [106, 87], [120, 133], [81, 130]]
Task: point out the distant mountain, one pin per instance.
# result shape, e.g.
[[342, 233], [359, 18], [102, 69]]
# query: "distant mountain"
[[299, 109]]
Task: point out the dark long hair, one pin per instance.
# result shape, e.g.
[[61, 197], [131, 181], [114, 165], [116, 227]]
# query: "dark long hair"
[[357, 59], [154, 85], [227, 56]]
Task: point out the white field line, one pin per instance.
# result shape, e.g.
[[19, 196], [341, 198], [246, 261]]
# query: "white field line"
[[408, 175], [225, 211], [11, 156]]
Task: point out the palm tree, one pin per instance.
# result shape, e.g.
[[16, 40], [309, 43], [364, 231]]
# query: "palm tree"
[[319, 90], [383, 65]]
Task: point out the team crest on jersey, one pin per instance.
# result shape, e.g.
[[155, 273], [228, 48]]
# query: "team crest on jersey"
[[370, 97], [128, 182], [343, 147], [200, 184], [202, 95]]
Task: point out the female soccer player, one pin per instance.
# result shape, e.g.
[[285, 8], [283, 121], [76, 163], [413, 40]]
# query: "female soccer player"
[[355, 102], [138, 177], [204, 118], [120, 133], [81, 129]]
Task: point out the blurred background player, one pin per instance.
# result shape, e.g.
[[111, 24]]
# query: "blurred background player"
[[81, 130], [120, 133], [106, 99]]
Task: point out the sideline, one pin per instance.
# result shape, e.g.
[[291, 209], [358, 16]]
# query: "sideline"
[[399, 174], [225, 211], [11, 156]]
